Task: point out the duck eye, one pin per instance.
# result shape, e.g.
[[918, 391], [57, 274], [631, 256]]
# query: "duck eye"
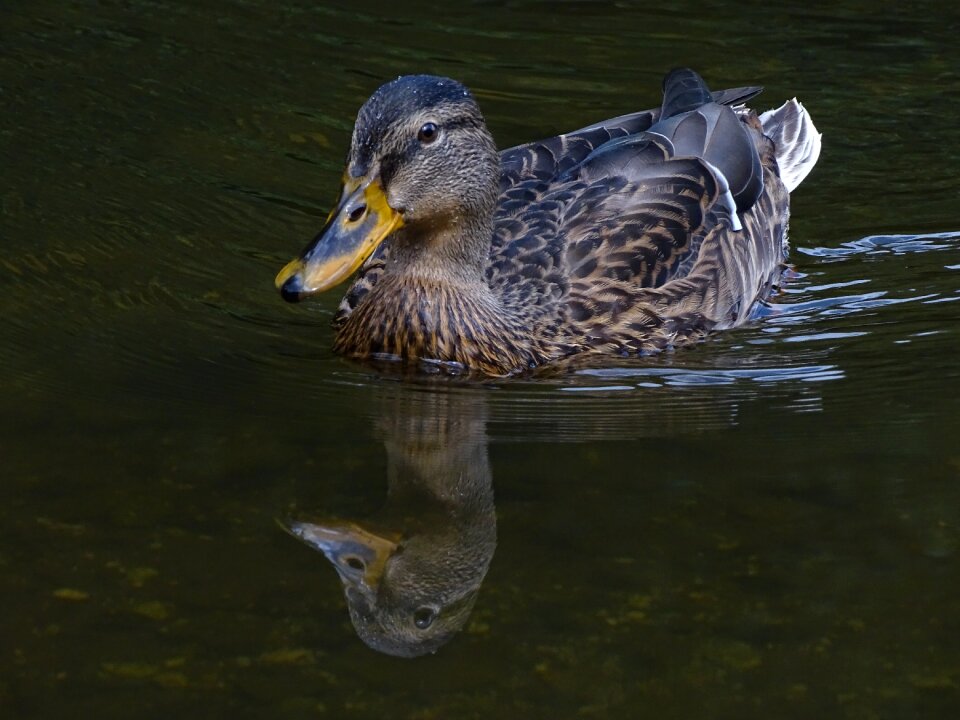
[[424, 617], [428, 133]]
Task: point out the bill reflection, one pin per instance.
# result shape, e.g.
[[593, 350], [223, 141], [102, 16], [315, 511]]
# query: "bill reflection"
[[411, 573]]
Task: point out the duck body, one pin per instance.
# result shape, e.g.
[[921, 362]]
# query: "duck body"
[[626, 237]]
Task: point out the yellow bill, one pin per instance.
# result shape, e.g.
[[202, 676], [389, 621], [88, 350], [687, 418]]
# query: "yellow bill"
[[359, 555], [361, 221]]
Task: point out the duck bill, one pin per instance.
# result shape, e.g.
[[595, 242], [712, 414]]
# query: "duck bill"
[[361, 221], [360, 556]]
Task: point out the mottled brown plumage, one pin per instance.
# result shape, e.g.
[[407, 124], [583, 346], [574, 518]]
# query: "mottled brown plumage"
[[607, 240]]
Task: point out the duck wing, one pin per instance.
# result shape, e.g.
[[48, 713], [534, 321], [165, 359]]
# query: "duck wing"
[[548, 158], [627, 199], [631, 212], [633, 250], [646, 239], [697, 126]]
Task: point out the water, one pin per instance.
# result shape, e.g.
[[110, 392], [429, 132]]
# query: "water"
[[764, 525]]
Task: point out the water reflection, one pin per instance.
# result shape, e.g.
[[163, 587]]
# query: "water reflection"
[[412, 572]]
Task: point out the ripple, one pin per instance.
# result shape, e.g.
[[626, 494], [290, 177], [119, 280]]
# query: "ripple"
[[878, 244], [234, 351], [680, 377]]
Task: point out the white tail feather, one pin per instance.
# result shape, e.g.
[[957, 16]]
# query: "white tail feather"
[[796, 139]]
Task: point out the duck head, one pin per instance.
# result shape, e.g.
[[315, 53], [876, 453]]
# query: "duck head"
[[407, 596], [421, 164], [411, 574]]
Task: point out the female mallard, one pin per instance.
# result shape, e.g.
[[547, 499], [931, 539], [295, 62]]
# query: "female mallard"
[[626, 237]]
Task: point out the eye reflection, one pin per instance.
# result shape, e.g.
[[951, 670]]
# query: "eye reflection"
[[423, 617]]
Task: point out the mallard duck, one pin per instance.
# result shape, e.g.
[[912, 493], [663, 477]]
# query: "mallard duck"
[[626, 237]]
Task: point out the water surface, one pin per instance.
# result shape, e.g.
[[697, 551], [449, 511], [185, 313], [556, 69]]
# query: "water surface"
[[764, 525]]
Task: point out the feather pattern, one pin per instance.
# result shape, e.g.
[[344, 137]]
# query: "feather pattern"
[[615, 238]]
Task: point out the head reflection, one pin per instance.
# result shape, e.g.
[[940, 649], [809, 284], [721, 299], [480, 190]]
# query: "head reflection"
[[412, 572]]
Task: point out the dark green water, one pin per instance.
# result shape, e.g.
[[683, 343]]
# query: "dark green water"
[[766, 525]]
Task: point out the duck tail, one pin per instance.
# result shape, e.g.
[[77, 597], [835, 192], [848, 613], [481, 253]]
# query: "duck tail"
[[796, 140], [683, 90]]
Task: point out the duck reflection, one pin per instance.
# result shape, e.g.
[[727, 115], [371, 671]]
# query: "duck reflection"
[[411, 573]]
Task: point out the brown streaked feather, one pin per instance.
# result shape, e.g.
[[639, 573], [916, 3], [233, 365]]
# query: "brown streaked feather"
[[597, 247]]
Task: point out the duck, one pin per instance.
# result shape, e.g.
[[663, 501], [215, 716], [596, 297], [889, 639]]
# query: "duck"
[[628, 237]]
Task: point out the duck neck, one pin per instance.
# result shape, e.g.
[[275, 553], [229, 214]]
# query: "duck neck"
[[452, 253]]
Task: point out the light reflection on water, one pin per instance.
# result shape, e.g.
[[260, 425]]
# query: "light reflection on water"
[[684, 378], [879, 244]]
